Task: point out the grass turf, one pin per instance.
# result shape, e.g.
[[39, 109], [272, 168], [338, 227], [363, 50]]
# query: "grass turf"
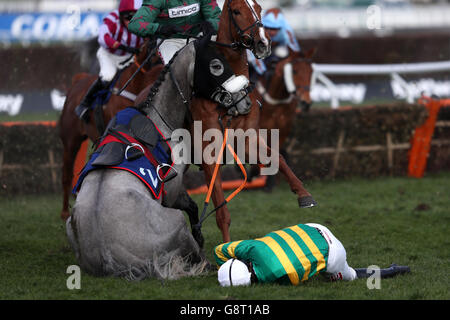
[[379, 221]]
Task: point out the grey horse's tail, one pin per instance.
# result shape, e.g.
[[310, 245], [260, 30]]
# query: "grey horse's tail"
[[169, 266]]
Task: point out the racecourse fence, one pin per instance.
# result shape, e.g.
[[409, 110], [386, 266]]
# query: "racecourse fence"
[[325, 144]]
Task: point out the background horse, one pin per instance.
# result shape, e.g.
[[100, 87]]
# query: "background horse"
[[240, 28], [286, 85], [116, 225], [74, 131]]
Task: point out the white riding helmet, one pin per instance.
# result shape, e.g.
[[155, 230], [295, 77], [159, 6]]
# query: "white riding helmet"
[[234, 273]]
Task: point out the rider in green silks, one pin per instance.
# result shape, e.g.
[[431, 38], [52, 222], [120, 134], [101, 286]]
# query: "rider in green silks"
[[175, 21]]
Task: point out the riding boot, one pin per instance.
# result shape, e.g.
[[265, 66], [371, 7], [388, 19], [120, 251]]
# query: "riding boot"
[[392, 271], [82, 110]]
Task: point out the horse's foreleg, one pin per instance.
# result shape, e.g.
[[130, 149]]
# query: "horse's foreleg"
[[184, 202], [223, 218], [69, 154], [305, 200]]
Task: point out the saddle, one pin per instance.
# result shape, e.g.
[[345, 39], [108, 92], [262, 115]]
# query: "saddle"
[[132, 142]]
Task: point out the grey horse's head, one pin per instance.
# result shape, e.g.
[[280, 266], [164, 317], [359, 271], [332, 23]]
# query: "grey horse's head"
[[214, 79]]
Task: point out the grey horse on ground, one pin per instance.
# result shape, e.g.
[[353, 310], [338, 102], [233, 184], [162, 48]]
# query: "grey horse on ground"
[[117, 227]]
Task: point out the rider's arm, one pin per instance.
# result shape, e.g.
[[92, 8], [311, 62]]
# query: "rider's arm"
[[106, 32], [211, 12], [225, 251], [143, 23]]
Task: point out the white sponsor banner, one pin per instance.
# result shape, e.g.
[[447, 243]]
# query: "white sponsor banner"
[[184, 11], [354, 92], [428, 87]]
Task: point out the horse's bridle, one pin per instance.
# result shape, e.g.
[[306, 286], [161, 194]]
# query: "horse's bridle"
[[246, 41], [292, 94], [308, 60]]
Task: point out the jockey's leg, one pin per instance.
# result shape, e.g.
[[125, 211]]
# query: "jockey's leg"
[[108, 69], [392, 271], [337, 265], [82, 109]]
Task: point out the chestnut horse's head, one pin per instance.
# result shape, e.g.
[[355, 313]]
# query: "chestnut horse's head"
[[297, 72], [246, 27]]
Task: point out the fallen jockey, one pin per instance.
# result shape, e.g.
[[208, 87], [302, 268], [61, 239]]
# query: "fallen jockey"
[[117, 48], [289, 256]]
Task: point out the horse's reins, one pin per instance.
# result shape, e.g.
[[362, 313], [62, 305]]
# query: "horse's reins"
[[140, 67], [204, 216], [234, 46]]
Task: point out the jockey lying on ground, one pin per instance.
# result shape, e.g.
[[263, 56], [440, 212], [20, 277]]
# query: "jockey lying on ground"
[[117, 47], [175, 20], [289, 256]]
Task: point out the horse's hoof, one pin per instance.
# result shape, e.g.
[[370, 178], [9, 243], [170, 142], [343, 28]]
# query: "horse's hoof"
[[307, 202]]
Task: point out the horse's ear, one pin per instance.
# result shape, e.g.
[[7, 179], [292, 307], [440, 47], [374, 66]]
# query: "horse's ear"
[[311, 52]]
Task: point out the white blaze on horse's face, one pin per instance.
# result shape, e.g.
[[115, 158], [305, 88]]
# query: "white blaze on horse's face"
[[251, 4]]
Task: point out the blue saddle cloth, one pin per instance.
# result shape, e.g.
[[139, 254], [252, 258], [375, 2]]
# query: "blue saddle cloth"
[[132, 142]]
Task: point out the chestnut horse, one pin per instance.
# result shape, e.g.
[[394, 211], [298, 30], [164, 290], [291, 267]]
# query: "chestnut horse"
[[287, 86], [240, 29], [74, 131]]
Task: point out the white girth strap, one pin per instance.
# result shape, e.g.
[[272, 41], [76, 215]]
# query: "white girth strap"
[[126, 94]]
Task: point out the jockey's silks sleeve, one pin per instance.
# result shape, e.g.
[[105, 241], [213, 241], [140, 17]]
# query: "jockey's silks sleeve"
[[291, 255], [186, 14]]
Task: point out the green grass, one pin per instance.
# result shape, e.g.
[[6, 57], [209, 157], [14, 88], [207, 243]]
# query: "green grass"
[[378, 221]]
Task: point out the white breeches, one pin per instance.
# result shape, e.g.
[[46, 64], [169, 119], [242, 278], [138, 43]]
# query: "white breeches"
[[169, 47], [111, 63], [337, 257]]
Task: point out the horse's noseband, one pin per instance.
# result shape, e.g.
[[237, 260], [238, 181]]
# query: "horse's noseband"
[[233, 95]]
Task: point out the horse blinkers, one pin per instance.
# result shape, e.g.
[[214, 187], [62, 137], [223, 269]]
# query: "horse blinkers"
[[214, 79]]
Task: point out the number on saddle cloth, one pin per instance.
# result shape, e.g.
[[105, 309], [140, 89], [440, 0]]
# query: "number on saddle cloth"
[[132, 142]]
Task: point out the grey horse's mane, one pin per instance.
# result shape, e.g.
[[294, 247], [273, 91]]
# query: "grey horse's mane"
[[161, 78]]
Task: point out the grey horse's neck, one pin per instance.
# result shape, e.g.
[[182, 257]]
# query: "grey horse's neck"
[[169, 100]]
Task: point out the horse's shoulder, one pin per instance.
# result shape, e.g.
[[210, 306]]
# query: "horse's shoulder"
[[82, 76]]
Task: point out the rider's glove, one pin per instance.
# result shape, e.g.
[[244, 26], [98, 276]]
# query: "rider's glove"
[[168, 29], [129, 49], [207, 28]]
